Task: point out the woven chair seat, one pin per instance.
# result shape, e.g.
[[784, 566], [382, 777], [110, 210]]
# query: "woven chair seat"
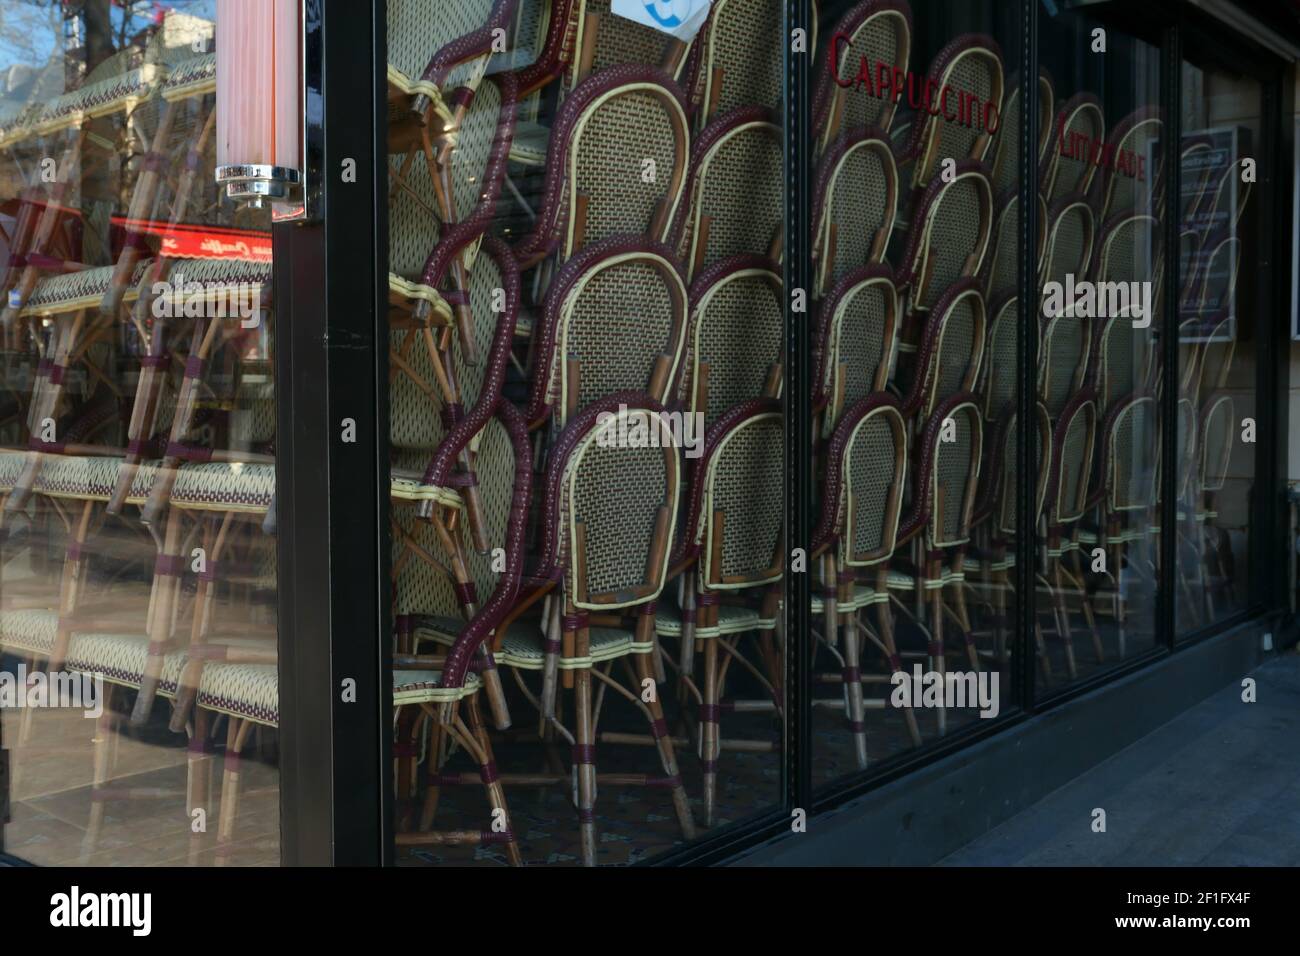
[[732, 619], [11, 466], [30, 630], [421, 687], [73, 291], [193, 77], [983, 565], [224, 486], [248, 691], [863, 596], [1091, 538], [530, 143], [1065, 548], [90, 478], [904, 581], [407, 487], [111, 95], [525, 649], [121, 659]]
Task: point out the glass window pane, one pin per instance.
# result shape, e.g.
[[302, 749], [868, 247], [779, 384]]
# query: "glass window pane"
[[1218, 338], [137, 444], [1099, 374], [586, 443], [916, 118]]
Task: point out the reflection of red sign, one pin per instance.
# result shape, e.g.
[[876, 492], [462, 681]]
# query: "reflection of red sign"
[[181, 241]]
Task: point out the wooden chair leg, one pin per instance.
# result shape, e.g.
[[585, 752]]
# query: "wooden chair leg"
[[102, 757], [487, 772], [237, 733], [937, 662], [885, 620], [433, 790], [664, 742], [853, 684], [709, 736], [1063, 618], [584, 764], [198, 780]]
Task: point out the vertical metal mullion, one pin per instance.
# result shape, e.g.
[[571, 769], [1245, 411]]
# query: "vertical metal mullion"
[[797, 272], [331, 493], [1027, 397], [1171, 79], [379, 293]]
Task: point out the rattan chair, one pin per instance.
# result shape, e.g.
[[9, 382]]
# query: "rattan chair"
[[971, 63], [608, 512], [1005, 157], [950, 354], [857, 341], [855, 201], [735, 59], [616, 163], [948, 237], [1127, 478], [735, 191], [872, 31], [580, 37], [1073, 436], [944, 487], [862, 500], [731, 545], [122, 88], [999, 383], [995, 524], [73, 341], [1136, 134], [1219, 425], [615, 319], [734, 349], [1062, 175]]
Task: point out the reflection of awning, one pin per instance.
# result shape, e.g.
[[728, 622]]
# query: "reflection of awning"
[[201, 242]]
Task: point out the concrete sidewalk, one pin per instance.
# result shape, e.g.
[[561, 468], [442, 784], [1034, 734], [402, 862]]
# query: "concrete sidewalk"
[[1219, 785]]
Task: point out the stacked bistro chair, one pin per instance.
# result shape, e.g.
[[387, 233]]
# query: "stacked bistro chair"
[[951, 351], [1005, 163], [616, 163], [733, 337], [857, 335], [1061, 175], [1126, 488], [854, 206], [1073, 436], [972, 64], [947, 241], [945, 482], [615, 319], [730, 546], [608, 513], [1218, 418], [1066, 337], [433, 390], [995, 524], [735, 189], [450, 133], [874, 31], [241, 683], [862, 503], [735, 59], [48, 237], [582, 36], [1135, 134]]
